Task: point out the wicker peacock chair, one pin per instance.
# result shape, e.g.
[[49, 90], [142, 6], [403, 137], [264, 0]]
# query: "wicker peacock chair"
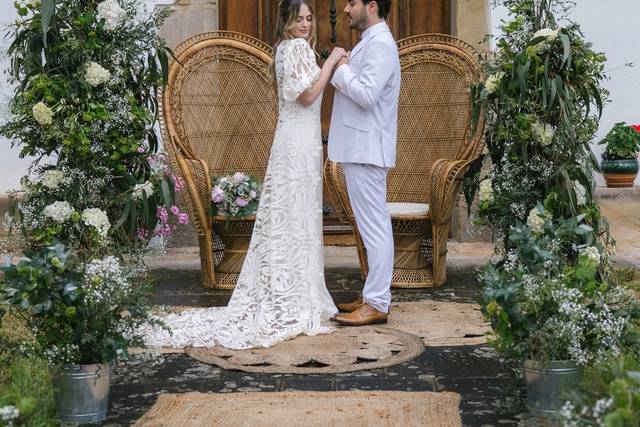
[[219, 115], [435, 147]]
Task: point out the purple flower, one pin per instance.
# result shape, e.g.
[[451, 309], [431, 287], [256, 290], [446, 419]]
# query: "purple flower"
[[178, 183], [162, 214], [241, 202], [141, 149], [217, 195], [239, 177], [142, 234], [175, 210], [253, 194], [183, 219]]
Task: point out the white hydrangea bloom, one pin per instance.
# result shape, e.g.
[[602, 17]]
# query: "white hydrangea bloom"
[[549, 34], [592, 253], [98, 219], [543, 132], [95, 74], [581, 193], [42, 114], [535, 221], [112, 13], [145, 189], [52, 178], [493, 81], [9, 413], [486, 191], [59, 211]]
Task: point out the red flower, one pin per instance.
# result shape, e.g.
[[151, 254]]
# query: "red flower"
[[636, 127]]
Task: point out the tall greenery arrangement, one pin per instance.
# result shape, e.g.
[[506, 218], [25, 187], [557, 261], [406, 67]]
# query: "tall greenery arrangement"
[[86, 76], [547, 296]]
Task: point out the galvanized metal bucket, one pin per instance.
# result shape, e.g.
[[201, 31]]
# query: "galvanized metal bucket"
[[81, 392], [549, 386]]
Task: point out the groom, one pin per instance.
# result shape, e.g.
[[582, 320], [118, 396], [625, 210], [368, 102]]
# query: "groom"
[[363, 139]]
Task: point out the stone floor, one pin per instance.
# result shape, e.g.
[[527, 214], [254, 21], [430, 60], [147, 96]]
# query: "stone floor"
[[488, 385]]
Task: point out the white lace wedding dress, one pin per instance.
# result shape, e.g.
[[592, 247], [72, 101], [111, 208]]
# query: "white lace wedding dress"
[[281, 291]]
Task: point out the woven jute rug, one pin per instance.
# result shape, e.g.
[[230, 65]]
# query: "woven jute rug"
[[435, 323], [305, 409], [346, 350]]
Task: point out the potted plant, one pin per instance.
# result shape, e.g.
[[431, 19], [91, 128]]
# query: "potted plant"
[[83, 315], [619, 159], [234, 201], [87, 76], [551, 309]]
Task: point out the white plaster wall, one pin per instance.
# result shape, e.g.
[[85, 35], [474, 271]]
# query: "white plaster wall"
[[612, 27]]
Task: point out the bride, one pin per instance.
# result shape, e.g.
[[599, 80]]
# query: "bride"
[[281, 290]]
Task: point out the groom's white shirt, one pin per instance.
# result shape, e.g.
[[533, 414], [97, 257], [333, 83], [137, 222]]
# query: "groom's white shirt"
[[363, 122]]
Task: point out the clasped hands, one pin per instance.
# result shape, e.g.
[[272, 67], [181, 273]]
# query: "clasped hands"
[[338, 57]]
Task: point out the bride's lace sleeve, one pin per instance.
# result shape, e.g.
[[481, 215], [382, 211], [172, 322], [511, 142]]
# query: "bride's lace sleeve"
[[300, 69]]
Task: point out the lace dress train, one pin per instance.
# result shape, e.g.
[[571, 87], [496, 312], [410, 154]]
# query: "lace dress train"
[[281, 291]]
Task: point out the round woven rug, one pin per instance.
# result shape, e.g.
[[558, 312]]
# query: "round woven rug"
[[346, 350]]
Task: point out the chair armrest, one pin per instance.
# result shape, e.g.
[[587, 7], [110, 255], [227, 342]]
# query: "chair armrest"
[[337, 189], [446, 177]]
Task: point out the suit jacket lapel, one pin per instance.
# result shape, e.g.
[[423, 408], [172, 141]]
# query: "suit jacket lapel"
[[380, 28]]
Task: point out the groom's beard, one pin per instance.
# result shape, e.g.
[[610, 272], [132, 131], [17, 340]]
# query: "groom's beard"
[[358, 23]]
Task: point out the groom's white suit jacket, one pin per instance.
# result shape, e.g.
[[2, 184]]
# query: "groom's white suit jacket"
[[364, 119]]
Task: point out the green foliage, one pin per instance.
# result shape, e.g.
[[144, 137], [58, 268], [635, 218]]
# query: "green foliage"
[[542, 100], [78, 315], [609, 395], [549, 300], [24, 379], [622, 142]]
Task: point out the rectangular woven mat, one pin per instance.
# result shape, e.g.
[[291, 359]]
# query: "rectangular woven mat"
[[305, 409]]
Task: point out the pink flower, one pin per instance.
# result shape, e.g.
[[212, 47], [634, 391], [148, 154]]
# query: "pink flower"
[[241, 202], [141, 149], [142, 234], [175, 210], [217, 195], [183, 219], [239, 177], [162, 214], [178, 183]]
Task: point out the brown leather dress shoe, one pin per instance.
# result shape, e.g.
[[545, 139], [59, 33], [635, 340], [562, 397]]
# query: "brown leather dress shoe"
[[350, 307], [365, 315]]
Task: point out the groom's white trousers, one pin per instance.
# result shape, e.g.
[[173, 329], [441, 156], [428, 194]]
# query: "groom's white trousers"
[[367, 186]]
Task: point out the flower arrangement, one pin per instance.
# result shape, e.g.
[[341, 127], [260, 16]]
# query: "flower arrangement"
[[80, 312], [236, 195], [622, 142], [89, 102], [547, 300]]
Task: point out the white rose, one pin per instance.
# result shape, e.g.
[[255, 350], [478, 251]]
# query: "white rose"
[[112, 14], [549, 34], [535, 220], [95, 74], [98, 219], [493, 81], [52, 178], [592, 253], [581, 193], [486, 191], [145, 189], [42, 114], [59, 211], [543, 132]]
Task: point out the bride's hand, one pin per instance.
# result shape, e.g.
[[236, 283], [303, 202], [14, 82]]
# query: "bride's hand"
[[336, 55]]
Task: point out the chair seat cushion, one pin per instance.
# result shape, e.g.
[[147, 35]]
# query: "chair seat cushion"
[[402, 210]]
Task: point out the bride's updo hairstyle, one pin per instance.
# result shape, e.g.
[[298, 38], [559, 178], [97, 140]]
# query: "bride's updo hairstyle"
[[288, 12]]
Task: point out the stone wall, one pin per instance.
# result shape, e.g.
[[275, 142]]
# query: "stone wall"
[[190, 17]]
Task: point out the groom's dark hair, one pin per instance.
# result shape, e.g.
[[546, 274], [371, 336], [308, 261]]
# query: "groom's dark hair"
[[384, 7]]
